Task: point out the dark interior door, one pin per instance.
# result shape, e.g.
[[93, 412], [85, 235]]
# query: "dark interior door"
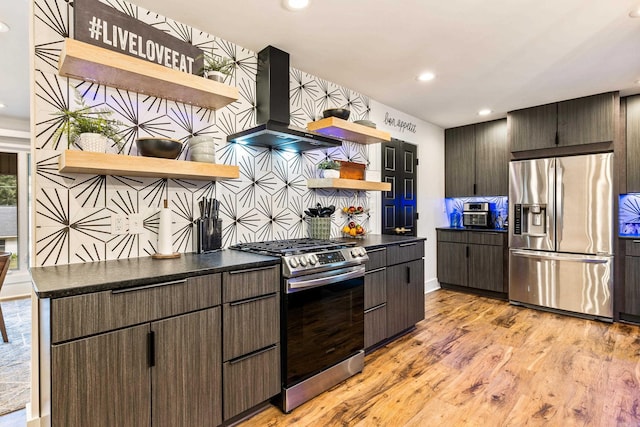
[[399, 162]]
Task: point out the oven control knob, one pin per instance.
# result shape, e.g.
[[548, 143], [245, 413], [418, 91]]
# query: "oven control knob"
[[302, 259], [355, 252], [293, 262], [313, 259], [363, 252]]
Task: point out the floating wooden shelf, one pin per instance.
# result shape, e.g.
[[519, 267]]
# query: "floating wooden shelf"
[[349, 131], [348, 184], [83, 61], [75, 161]]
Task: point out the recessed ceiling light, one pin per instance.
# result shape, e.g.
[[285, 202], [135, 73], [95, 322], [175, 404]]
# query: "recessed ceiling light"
[[425, 77], [295, 5], [635, 12], [2, 105], [638, 82], [484, 112], [4, 27]]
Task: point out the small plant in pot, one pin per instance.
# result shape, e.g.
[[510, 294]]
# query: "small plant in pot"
[[329, 168], [216, 67], [88, 128]]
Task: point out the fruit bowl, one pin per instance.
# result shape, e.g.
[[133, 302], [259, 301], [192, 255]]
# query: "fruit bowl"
[[353, 210], [353, 230]]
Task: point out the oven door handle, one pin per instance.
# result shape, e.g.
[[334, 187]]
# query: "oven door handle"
[[298, 284]]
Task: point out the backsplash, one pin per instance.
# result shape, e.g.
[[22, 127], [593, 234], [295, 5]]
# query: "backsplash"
[[73, 212], [456, 206]]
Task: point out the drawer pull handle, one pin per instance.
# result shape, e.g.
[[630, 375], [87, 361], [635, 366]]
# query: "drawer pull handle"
[[636, 241], [375, 271], [248, 300], [151, 348], [375, 250], [377, 307], [253, 353], [154, 285], [402, 245], [253, 269]]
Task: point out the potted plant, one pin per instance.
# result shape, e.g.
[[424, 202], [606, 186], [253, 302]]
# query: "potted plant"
[[88, 128], [329, 168], [216, 67]]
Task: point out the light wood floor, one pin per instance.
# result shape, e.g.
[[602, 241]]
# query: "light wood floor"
[[480, 362]]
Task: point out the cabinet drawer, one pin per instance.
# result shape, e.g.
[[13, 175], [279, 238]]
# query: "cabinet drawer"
[[89, 314], [249, 283], [486, 238], [632, 248], [250, 325], [404, 252], [452, 236], [377, 258], [250, 380], [375, 325], [375, 287]]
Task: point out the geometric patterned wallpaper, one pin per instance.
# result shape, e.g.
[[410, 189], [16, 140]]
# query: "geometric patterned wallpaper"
[[73, 211]]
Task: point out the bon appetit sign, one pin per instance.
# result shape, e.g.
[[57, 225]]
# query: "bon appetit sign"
[[101, 25]]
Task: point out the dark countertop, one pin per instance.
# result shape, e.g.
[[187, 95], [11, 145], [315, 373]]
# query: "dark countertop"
[[492, 230], [374, 240], [75, 279]]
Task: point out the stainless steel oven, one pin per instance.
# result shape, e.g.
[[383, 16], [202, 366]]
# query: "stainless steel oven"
[[322, 316]]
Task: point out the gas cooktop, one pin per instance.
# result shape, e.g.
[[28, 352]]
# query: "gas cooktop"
[[306, 256], [291, 246]]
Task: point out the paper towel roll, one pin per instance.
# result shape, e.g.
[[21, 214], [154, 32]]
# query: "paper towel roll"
[[164, 232]]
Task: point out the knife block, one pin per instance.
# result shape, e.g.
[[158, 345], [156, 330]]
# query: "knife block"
[[209, 235]]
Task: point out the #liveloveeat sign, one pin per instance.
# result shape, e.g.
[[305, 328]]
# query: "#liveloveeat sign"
[[101, 25]]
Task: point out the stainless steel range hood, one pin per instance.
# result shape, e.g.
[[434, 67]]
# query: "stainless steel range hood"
[[272, 96]]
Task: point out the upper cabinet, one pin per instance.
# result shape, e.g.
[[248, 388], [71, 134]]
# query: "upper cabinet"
[[477, 160], [349, 131], [579, 121], [633, 144], [95, 64]]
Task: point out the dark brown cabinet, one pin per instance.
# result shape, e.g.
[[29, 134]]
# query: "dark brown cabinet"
[[473, 259], [251, 338], [476, 160], [633, 144], [102, 381], [162, 372], [393, 291], [375, 297], [405, 286], [578, 121], [632, 278]]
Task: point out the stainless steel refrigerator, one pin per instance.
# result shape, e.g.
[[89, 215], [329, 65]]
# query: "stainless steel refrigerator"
[[561, 234]]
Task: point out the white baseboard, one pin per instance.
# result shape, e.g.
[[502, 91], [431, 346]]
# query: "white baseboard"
[[431, 285]]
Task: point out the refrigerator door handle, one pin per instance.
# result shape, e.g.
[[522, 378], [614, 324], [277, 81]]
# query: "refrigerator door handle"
[[551, 226], [559, 203], [561, 257]]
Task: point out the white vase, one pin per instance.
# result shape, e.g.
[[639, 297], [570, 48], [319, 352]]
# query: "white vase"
[[216, 75], [92, 142], [330, 173]]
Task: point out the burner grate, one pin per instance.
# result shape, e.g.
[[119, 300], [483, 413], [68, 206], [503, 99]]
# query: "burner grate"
[[281, 247]]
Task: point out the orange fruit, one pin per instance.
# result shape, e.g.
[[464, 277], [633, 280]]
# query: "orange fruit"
[[352, 232], [346, 229]]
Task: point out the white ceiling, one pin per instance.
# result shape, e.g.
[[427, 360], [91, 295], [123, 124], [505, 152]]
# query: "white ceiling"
[[499, 54]]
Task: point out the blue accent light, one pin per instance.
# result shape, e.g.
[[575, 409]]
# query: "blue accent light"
[[456, 204], [629, 215]]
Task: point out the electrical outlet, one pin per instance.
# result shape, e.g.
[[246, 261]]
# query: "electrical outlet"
[[119, 224], [136, 224]]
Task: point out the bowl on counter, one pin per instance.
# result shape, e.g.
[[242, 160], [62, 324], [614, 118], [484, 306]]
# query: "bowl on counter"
[[155, 146], [341, 113]]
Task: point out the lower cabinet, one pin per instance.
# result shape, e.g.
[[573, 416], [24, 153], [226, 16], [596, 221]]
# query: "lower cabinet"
[[251, 338], [166, 354], [473, 259], [632, 280], [163, 373], [405, 296], [394, 291]]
